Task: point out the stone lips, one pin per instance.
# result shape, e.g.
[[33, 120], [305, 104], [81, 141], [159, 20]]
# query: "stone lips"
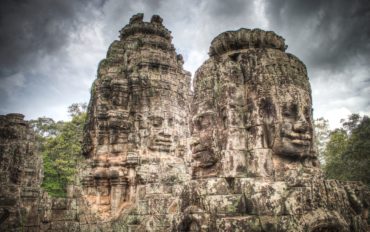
[[235, 155]]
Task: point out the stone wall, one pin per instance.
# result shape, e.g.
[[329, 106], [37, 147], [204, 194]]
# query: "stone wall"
[[21, 175]]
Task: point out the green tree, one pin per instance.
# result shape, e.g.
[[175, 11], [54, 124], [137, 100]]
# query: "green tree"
[[334, 166], [357, 154], [351, 122], [60, 148], [347, 154], [45, 128], [77, 109]]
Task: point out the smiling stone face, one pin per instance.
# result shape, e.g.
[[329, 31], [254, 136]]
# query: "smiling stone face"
[[294, 135], [206, 124], [202, 147], [279, 106], [161, 138]]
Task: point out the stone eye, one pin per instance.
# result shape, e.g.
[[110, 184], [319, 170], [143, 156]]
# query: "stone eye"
[[197, 124], [286, 111], [290, 110], [170, 122], [202, 122], [294, 109], [267, 107], [205, 122], [157, 121]]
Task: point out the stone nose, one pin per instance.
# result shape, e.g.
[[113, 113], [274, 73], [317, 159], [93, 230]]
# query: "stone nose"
[[194, 142], [300, 126], [165, 133]]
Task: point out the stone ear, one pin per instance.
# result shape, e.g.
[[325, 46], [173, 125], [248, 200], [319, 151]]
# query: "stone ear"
[[269, 133]]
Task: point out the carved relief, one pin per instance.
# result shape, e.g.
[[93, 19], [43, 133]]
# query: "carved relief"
[[137, 118], [204, 152], [294, 132], [253, 159]]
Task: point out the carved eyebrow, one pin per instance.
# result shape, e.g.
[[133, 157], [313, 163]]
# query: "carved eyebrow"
[[206, 113], [290, 108], [155, 117]]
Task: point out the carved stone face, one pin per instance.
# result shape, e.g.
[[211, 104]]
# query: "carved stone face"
[[294, 134], [119, 120], [160, 138], [202, 142], [120, 125]]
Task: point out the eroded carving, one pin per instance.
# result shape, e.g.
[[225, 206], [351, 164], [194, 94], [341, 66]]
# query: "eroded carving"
[[137, 124], [253, 160]]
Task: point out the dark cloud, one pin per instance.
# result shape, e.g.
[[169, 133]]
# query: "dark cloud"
[[332, 38], [228, 9], [30, 29], [49, 49], [334, 33]]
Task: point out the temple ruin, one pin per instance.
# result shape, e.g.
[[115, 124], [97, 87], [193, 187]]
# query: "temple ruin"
[[236, 153]]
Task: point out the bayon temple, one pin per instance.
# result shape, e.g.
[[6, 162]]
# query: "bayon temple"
[[234, 152]]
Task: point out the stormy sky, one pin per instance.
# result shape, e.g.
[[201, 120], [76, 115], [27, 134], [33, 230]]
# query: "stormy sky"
[[49, 50]]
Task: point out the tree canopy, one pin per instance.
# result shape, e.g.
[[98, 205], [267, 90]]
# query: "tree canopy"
[[60, 146], [347, 152]]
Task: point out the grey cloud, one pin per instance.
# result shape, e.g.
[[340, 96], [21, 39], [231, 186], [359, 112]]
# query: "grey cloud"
[[30, 29], [332, 38], [49, 50], [334, 32], [228, 9]]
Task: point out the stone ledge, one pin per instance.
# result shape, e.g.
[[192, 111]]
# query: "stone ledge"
[[244, 39]]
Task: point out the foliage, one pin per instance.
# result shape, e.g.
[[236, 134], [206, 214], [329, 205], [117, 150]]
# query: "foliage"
[[77, 109], [334, 166], [347, 153], [60, 148], [45, 127], [351, 123], [357, 154]]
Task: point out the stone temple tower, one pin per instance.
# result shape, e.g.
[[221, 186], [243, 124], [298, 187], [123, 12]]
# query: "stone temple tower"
[[258, 99], [254, 166], [137, 126]]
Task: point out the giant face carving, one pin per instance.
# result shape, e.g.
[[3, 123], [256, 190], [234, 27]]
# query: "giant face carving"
[[161, 137], [203, 137], [294, 131]]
